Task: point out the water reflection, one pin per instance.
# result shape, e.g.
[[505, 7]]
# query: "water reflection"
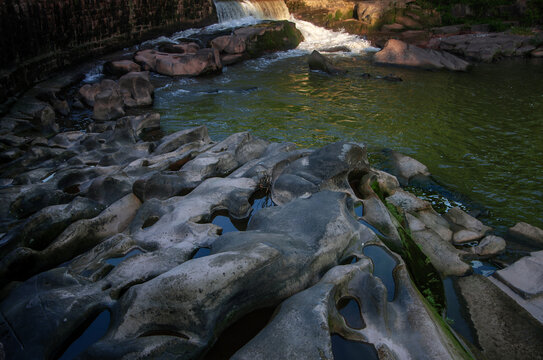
[[479, 133]]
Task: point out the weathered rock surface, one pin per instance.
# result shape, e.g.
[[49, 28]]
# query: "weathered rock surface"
[[204, 61], [525, 276], [120, 67], [526, 234], [136, 89], [484, 47], [504, 329], [318, 62], [405, 168], [397, 52]]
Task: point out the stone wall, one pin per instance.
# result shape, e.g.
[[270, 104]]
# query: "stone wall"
[[40, 36]]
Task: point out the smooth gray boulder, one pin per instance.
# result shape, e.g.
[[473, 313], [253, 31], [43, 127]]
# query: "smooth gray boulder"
[[489, 246], [396, 52], [404, 167]]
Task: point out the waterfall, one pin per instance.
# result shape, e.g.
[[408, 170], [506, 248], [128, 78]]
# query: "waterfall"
[[228, 10]]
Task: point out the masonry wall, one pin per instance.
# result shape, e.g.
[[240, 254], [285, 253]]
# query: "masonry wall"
[[41, 36]]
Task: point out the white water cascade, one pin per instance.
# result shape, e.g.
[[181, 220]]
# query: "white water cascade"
[[316, 38], [229, 10]]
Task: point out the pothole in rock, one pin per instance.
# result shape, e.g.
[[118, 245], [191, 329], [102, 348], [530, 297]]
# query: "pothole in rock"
[[117, 260], [344, 349], [201, 252], [87, 335], [483, 268], [383, 267], [239, 333], [349, 308], [455, 312], [228, 223], [260, 200], [359, 210]]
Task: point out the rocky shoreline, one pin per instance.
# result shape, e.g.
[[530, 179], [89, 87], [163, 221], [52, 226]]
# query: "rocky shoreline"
[[119, 219]]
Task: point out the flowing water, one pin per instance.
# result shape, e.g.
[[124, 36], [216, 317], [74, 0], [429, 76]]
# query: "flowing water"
[[480, 133]]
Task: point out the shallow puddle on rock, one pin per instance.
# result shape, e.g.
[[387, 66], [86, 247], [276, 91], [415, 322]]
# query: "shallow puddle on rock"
[[239, 333], [94, 332], [259, 201], [117, 260], [455, 317], [483, 268], [383, 266], [359, 210], [228, 224], [350, 310], [344, 349], [201, 253]]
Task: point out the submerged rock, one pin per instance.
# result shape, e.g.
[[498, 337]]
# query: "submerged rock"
[[318, 62], [397, 52]]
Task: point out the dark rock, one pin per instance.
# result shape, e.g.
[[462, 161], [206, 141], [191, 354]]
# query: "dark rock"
[[269, 37], [392, 27], [397, 52], [36, 199], [318, 62], [139, 124], [39, 230], [120, 67], [230, 44], [526, 234], [405, 168], [108, 105], [408, 22], [336, 49], [482, 47], [45, 121], [183, 48], [136, 89]]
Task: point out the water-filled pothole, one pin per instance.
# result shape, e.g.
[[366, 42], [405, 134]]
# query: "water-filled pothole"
[[239, 333], [87, 336], [359, 210], [349, 308], [117, 260], [344, 349], [483, 268], [455, 312], [201, 252], [383, 267], [227, 223]]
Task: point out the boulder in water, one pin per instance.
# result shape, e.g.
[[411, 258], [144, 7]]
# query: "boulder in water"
[[526, 234], [204, 61], [396, 52], [120, 67], [319, 62], [136, 89]]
